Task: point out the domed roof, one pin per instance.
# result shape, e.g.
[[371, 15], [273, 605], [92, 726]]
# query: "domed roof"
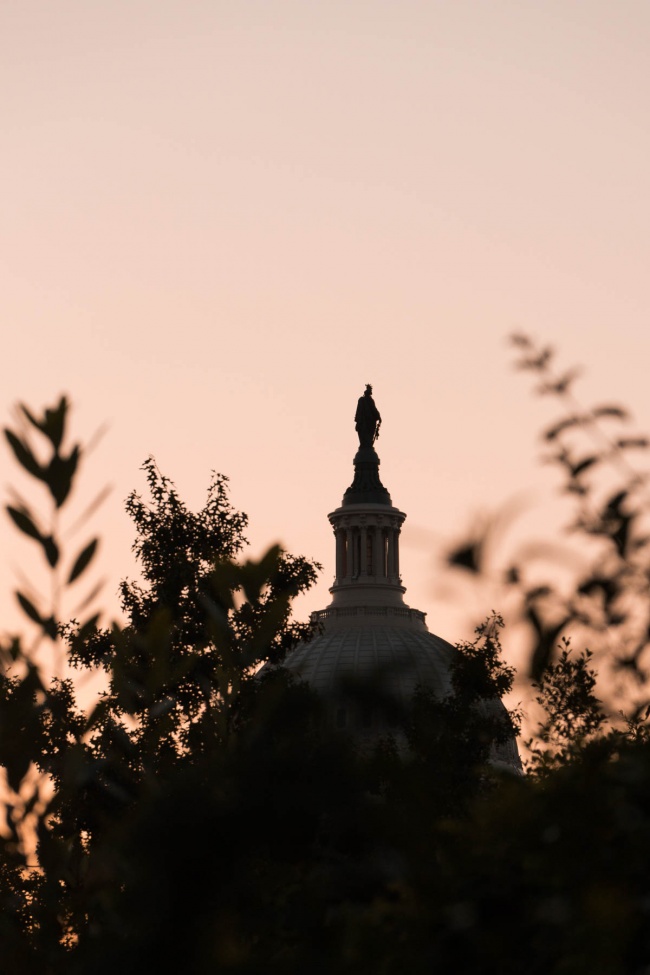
[[388, 648]]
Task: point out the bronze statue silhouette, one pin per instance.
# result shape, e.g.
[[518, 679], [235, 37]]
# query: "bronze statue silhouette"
[[367, 419]]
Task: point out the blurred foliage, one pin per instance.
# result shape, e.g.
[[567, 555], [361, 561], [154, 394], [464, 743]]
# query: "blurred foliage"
[[596, 585], [33, 436], [201, 819]]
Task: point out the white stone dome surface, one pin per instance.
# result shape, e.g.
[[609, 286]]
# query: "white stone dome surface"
[[368, 645], [390, 649]]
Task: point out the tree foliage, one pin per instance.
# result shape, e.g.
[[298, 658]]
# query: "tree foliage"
[[593, 584], [200, 818]]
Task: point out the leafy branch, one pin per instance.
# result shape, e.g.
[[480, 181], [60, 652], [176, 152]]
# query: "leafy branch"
[[38, 445]]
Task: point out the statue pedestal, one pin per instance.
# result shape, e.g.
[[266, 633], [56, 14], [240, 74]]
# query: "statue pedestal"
[[366, 455], [366, 487]]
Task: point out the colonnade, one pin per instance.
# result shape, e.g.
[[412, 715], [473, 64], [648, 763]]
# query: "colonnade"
[[367, 552]]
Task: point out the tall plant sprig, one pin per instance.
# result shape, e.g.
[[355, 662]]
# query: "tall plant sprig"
[[38, 442]]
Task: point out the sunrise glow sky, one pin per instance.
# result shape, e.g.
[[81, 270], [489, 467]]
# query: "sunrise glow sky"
[[221, 219]]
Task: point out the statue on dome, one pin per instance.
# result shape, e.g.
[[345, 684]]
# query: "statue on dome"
[[367, 419]]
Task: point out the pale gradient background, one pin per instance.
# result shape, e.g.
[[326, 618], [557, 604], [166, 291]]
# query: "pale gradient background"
[[220, 220]]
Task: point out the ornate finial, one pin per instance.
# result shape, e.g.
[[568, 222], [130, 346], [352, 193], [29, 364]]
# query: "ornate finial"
[[367, 487], [367, 419]]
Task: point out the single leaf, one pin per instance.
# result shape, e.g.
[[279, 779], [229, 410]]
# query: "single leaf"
[[616, 619], [59, 474], [51, 627], [613, 506], [23, 520], [83, 560], [55, 422], [561, 386], [468, 556], [52, 425], [557, 428], [583, 465], [256, 575], [15, 649], [537, 362], [616, 411], [24, 456], [29, 608], [545, 643], [51, 550], [35, 422], [639, 442], [621, 536]]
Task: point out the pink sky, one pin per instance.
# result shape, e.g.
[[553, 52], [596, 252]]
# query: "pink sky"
[[220, 220]]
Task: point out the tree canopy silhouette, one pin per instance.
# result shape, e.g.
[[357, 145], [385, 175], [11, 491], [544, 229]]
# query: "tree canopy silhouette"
[[201, 818]]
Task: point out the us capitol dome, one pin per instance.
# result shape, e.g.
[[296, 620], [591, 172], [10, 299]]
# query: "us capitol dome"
[[369, 635]]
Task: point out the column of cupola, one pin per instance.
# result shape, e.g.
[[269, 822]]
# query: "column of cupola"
[[367, 554]]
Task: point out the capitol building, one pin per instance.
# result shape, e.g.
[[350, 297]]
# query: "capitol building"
[[368, 634]]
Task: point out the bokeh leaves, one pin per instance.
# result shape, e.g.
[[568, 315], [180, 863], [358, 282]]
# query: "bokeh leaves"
[[57, 473]]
